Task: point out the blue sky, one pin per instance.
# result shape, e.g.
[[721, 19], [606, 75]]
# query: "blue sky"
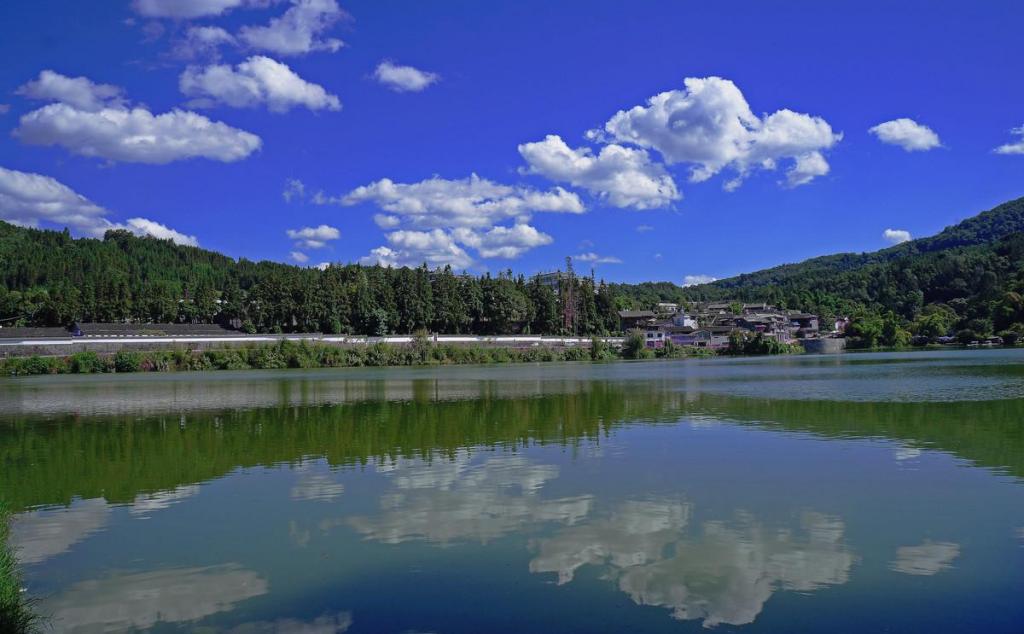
[[758, 152]]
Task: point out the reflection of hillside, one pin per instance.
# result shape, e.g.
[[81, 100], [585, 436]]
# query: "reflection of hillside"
[[988, 433], [118, 457], [46, 461]]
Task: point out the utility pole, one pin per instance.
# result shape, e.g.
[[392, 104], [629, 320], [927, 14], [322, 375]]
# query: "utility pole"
[[569, 298]]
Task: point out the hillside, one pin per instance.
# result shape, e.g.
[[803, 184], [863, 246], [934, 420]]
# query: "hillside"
[[48, 278], [972, 273], [968, 277]]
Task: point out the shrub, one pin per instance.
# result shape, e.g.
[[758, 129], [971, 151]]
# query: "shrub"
[[635, 345], [85, 363], [126, 361]]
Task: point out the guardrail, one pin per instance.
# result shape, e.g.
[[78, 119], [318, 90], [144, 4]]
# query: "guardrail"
[[518, 340]]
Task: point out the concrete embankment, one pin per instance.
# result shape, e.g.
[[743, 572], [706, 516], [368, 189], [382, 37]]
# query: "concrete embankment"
[[53, 347]]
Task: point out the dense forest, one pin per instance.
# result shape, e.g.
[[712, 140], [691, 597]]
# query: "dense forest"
[[967, 280], [47, 278]]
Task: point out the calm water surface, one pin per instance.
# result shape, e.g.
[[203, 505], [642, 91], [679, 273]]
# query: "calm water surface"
[[852, 493]]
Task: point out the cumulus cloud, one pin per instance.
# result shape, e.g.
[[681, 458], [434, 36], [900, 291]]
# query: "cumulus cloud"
[[594, 258], [710, 126], [696, 280], [625, 177], [80, 92], [502, 242], [806, 168], [1013, 148], [299, 256], [896, 236], [472, 202], [255, 82], [467, 211], [293, 189], [202, 42], [135, 135], [385, 221], [313, 237], [906, 133], [93, 120], [32, 200], [298, 31], [436, 248], [184, 9], [404, 78], [142, 226]]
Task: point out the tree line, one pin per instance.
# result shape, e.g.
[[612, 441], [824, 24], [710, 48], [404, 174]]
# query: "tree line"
[[49, 278]]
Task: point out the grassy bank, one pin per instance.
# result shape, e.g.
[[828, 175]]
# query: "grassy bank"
[[289, 354], [16, 615]]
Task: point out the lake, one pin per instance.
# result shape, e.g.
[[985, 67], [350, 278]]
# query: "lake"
[[849, 493]]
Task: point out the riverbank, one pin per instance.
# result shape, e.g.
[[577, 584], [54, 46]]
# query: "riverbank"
[[16, 615], [303, 354]]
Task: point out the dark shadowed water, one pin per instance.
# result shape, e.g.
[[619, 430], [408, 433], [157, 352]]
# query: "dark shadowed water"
[[852, 493]]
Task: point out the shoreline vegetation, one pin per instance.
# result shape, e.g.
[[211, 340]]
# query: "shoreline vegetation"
[[303, 354], [16, 612]]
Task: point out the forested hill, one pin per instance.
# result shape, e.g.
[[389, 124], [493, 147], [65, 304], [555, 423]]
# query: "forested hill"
[[969, 277], [48, 278], [971, 272]]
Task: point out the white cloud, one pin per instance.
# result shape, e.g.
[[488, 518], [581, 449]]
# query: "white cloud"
[[404, 78], [299, 257], [624, 176], [298, 30], [696, 280], [644, 228], [472, 202], [257, 81], [467, 211], [462, 212], [32, 200], [80, 92], [710, 126], [896, 236], [926, 559], [135, 135], [313, 237], [502, 242], [293, 188], [906, 133], [806, 168], [594, 258], [1013, 148], [142, 226], [412, 248], [183, 9], [385, 221], [202, 42], [28, 199]]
